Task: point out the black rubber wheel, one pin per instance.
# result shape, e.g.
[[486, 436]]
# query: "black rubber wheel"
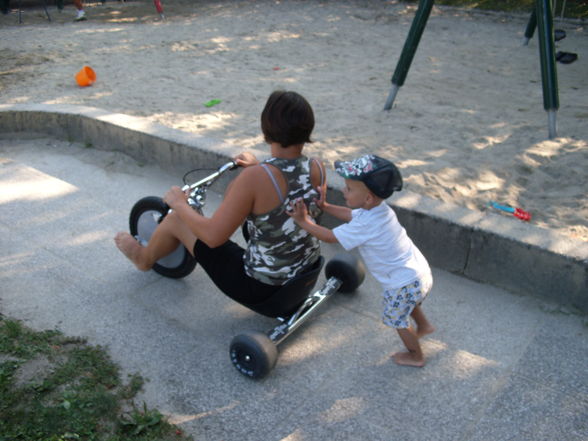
[[253, 354], [146, 214], [348, 268]]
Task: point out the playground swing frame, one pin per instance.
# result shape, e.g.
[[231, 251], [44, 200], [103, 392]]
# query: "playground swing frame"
[[541, 18]]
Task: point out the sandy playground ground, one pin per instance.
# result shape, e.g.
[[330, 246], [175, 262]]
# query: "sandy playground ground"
[[467, 127]]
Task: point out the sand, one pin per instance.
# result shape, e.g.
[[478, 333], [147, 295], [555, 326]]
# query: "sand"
[[467, 127]]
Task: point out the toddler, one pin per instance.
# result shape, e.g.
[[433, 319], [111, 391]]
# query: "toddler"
[[389, 254]]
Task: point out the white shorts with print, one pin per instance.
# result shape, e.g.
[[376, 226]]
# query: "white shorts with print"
[[399, 303]]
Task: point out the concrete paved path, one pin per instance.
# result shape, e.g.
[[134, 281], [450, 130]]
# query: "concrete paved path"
[[500, 367]]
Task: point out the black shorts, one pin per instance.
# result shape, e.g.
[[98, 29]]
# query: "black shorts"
[[224, 265]]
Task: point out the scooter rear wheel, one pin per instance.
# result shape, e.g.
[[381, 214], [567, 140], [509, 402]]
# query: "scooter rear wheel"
[[146, 214], [348, 268]]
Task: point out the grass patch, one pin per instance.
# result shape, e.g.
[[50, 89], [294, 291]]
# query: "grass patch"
[[57, 388], [573, 8]]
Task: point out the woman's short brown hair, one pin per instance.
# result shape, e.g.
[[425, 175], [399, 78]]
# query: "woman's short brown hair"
[[287, 119]]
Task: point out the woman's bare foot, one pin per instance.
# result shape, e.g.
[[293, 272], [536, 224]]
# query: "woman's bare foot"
[[129, 246], [424, 330], [408, 359]]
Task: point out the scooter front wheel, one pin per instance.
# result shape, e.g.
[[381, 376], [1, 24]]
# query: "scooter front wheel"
[[145, 216], [253, 354]]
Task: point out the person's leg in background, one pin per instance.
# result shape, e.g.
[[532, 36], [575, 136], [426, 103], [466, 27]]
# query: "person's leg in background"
[[80, 7], [4, 6]]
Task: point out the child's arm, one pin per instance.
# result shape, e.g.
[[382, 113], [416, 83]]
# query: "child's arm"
[[338, 211], [299, 213]]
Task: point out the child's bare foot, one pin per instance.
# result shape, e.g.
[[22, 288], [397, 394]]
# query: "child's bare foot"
[[408, 359], [424, 330], [129, 246]]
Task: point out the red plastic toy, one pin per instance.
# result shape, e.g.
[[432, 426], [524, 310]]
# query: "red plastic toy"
[[516, 212]]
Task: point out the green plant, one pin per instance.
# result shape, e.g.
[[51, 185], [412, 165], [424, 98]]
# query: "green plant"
[[137, 422], [57, 388]]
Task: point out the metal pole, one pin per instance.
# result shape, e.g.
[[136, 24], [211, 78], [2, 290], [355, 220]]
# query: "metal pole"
[[530, 27], [548, 67], [410, 46]]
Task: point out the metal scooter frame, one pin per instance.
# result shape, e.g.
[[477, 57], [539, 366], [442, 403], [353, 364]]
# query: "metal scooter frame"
[[308, 307], [254, 354]]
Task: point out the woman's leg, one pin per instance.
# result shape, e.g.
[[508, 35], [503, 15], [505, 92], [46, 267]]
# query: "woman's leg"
[[165, 239]]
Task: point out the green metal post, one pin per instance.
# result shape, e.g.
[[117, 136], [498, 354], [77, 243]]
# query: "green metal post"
[[531, 27], [548, 68], [410, 46], [46, 10]]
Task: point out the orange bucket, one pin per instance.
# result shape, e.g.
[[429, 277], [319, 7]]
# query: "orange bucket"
[[86, 76]]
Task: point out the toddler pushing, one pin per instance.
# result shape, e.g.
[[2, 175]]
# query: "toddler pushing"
[[389, 254]]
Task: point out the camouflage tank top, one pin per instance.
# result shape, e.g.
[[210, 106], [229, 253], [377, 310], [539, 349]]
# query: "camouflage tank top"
[[278, 248]]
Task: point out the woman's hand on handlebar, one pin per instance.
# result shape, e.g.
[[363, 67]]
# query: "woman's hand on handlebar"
[[246, 159], [175, 196]]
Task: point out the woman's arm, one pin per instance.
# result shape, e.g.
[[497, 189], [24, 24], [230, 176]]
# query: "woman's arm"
[[338, 211], [319, 182], [318, 175], [232, 212]]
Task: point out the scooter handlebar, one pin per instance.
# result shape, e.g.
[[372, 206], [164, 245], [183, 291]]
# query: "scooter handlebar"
[[212, 177]]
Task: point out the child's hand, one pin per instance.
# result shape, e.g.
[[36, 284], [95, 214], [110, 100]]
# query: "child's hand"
[[246, 159], [298, 210], [322, 200]]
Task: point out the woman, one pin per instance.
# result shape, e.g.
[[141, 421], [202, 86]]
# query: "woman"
[[261, 195]]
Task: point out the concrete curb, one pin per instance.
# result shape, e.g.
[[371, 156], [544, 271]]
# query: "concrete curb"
[[485, 247]]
